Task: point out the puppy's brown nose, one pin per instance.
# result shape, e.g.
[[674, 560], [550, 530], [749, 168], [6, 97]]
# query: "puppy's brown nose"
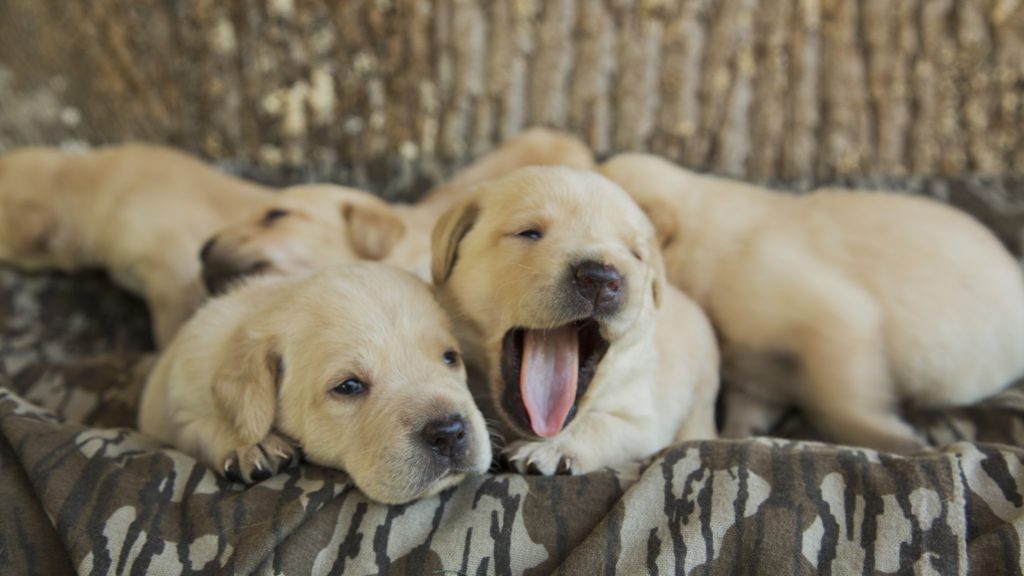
[[447, 436], [601, 284]]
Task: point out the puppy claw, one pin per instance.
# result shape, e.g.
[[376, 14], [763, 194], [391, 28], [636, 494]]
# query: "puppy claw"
[[501, 463], [540, 458], [232, 472], [259, 475], [565, 466], [258, 462]]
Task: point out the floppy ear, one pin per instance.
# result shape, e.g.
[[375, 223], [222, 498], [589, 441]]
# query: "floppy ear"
[[245, 386], [662, 216], [660, 279], [448, 232], [374, 228]]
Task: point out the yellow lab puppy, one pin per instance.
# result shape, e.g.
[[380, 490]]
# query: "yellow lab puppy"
[[844, 303], [356, 367], [291, 239], [143, 212], [556, 287]]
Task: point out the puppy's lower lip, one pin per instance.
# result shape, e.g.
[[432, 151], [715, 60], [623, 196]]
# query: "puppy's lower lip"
[[590, 349]]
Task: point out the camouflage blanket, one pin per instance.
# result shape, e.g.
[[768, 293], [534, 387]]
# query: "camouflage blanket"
[[82, 492]]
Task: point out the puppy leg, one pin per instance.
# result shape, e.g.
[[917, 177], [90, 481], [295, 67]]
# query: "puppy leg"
[[172, 297], [848, 393], [220, 447], [756, 394], [168, 310], [591, 442], [257, 462], [747, 416]]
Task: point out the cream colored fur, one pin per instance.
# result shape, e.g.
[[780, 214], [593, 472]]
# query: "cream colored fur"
[[307, 239], [844, 303], [249, 379], [142, 213], [658, 380]]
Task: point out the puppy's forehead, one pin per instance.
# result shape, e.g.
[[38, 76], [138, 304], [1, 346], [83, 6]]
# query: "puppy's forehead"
[[559, 194], [379, 298]]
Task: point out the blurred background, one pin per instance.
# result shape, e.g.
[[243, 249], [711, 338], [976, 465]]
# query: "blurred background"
[[392, 95]]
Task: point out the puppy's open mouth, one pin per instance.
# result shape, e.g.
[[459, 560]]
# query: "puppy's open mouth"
[[546, 372]]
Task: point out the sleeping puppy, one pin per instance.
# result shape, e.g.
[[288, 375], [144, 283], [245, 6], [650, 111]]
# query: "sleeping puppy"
[[355, 366], [555, 285], [143, 212], [291, 239], [301, 230], [844, 303]]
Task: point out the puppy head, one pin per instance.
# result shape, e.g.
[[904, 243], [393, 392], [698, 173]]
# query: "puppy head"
[[304, 228], [546, 269], [28, 222], [359, 366]]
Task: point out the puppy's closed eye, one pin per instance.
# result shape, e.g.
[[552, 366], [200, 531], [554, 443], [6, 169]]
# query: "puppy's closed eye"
[[530, 234], [349, 387], [272, 215]]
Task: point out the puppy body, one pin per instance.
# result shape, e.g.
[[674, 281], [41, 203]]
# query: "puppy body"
[[255, 375], [639, 358], [139, 211], [845, 303]]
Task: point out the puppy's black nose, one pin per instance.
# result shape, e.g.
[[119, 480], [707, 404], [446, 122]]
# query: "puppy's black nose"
[[446, 436], [204, 252], [599, 283]]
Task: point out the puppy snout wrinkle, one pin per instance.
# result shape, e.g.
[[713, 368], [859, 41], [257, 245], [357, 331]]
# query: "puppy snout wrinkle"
[[204, 252], [599, 283], [220, 274], [446, 436]]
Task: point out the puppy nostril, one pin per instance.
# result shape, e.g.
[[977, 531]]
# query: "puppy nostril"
[[446, 436], [596, 279], [204, 252]]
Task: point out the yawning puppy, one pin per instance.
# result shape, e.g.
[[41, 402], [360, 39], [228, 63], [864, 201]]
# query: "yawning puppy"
[[355, 366], [844, 303], [554, 281]]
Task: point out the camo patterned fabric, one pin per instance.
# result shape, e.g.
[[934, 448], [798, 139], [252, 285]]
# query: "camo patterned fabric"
[[82, 492]]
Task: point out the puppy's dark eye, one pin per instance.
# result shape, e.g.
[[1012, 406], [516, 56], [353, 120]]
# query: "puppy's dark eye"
[[350, 387], [273, 214], [451, 358], [530, 234]]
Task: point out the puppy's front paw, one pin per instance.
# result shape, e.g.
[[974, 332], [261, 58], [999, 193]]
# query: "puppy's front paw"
[[540, 458], [257, 462]]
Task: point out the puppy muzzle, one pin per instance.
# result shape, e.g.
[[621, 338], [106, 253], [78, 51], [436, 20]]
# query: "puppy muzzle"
[[220, 271]]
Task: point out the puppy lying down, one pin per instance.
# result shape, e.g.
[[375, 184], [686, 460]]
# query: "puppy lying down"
[[844, 303], [354, 367], [142, 213], [555, 284]]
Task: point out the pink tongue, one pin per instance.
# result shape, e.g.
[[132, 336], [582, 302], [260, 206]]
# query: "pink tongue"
[[547, 378]]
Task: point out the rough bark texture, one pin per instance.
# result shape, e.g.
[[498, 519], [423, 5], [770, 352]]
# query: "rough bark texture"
[[392, 94]]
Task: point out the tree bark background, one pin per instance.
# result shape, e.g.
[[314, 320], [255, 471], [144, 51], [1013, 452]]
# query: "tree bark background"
[[391, 95]]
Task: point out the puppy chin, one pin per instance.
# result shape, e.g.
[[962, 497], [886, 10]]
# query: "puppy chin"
[[420, 474]]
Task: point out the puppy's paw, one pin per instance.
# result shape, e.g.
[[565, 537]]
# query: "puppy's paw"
[[540, 458], [257, 462]]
